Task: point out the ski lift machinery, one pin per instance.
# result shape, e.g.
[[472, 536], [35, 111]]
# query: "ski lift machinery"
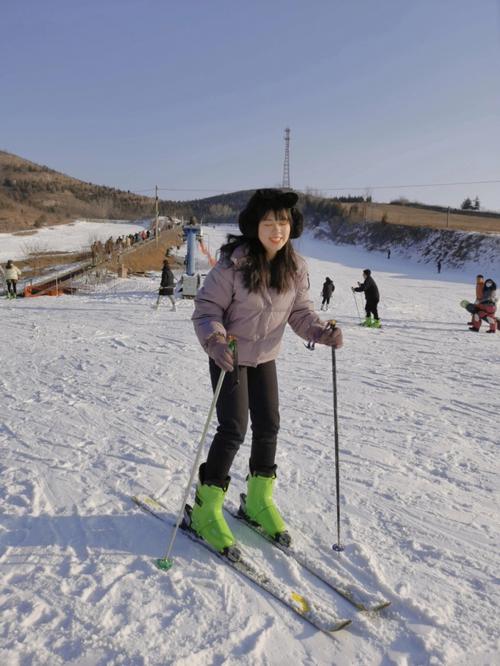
[[191, 280]]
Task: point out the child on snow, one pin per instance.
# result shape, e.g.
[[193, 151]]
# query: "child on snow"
[[486, 307], [372, 299], [326, 293], [258, 286], [12, 275]]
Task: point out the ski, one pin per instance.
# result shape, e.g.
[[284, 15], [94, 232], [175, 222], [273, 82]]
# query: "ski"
[[344, 584], [318, 617]]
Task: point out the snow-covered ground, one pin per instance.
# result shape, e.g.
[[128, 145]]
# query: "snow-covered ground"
[[102, 397], [76, 236]]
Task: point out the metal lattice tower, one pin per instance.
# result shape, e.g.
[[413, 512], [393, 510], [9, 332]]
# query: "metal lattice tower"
[[286, 163]]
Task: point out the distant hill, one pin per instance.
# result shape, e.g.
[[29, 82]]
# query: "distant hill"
[[32, 195]]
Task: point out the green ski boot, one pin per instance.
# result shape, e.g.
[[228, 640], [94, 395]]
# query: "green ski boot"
[[259, 508], [376, 324], [367, 322], [207, 519]]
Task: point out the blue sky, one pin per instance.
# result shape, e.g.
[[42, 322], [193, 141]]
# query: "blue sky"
[[196, 95]]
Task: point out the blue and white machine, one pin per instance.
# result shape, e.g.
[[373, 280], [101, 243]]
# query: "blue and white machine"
[[191, 280]]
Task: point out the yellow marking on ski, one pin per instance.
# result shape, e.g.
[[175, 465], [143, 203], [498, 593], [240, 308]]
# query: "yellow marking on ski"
[[302, 603], [149, 501]]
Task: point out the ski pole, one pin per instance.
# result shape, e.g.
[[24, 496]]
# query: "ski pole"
[[338, 547], [311, 346], [356, 301], [165, 563]]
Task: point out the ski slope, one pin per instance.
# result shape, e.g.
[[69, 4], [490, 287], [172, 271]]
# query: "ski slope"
[[75, 236], [103, 397]]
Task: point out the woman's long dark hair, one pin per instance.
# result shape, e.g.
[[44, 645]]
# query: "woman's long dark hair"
[[258, 272]]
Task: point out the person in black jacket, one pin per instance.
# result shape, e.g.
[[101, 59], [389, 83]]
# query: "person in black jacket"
[[372, 298], [167, 284], [326, 293]]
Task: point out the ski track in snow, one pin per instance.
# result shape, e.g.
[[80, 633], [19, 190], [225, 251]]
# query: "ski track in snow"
[[103, 397]]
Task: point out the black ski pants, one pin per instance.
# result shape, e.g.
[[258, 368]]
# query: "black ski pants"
[[250, 390], [371, 308], [11, 286]]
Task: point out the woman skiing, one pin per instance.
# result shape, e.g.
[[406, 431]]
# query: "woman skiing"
[[372, 297], [258, 286], [326, 293]]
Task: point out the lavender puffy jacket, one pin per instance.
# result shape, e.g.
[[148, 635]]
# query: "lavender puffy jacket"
[[257, 320]]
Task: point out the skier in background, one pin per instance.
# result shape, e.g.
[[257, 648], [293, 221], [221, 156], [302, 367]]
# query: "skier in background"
[[12, 275], [326, 293], [258, 286], [389, 253], [486, 308], [372, 299], [167, 284]]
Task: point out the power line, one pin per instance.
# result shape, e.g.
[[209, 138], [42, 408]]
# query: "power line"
[[329, 189], [388, 187], [343, 188]]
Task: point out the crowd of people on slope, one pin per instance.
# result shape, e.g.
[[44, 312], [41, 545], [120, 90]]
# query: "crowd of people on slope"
[[110, 247]]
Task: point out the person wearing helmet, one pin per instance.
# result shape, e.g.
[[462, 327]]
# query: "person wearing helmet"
[[486, 307], [369, 287], [258, 286]]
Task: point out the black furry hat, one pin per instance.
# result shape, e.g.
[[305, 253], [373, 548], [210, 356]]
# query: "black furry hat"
[[265, 200], [367, 272]]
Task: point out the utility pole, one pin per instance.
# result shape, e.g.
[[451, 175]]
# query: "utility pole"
[[286, 163], [448, 217], [156, 215]]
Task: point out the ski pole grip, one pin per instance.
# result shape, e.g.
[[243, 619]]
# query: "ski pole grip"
[[232, 343]]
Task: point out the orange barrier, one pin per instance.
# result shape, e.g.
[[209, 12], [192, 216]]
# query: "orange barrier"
[[204, 250], [49, 291]]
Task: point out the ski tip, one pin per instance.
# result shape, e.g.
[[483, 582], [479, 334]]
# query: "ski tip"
[[164, 563], [341, 624]]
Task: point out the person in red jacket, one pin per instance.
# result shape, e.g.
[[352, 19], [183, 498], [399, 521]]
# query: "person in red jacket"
[[479, 293], [486, 308], [258, 286]]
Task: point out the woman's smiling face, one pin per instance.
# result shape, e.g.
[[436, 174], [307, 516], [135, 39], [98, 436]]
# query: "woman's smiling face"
[[274, 231]]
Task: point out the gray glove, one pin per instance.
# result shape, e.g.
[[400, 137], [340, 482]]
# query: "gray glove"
[[218, 350]]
